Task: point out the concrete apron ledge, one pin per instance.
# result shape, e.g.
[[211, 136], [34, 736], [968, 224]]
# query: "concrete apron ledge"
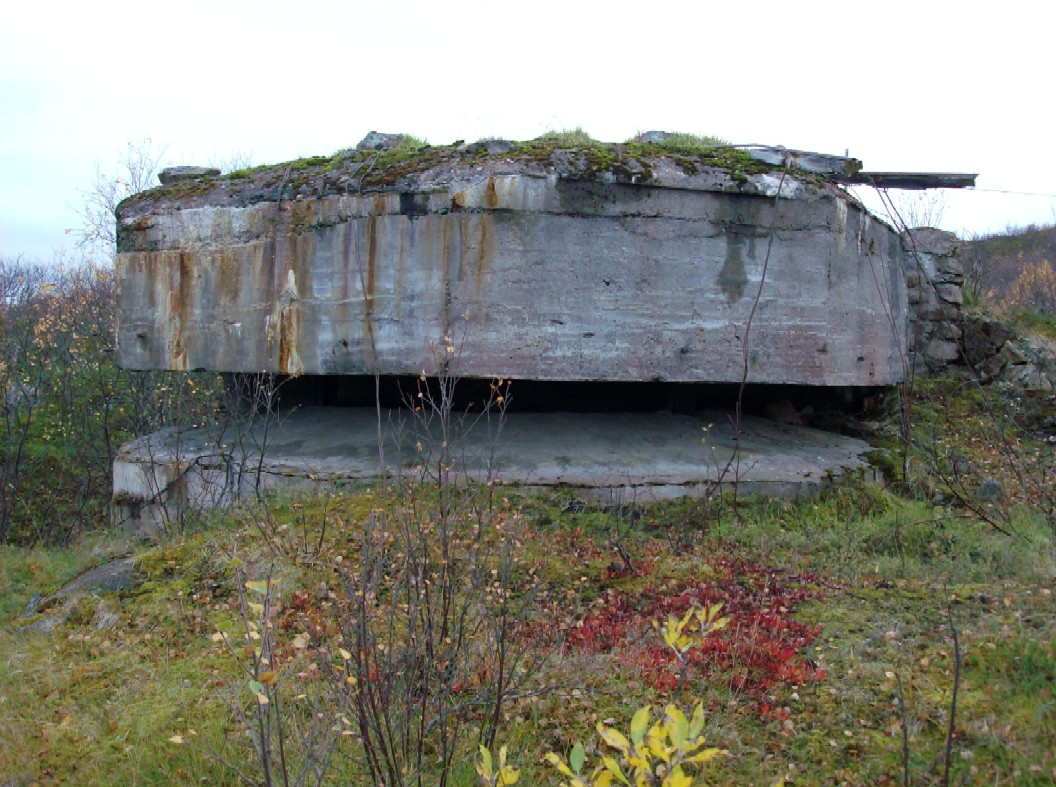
[[648, 455]]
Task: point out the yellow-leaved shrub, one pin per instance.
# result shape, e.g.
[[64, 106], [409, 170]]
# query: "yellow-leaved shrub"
[[657, 755]]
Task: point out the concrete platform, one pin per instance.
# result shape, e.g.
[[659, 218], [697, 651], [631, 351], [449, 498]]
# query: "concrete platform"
[[658, 455]]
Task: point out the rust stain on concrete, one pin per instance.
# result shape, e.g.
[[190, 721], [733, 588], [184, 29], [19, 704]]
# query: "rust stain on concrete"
[[485, 251], [289, 336], [370, 277], [491, 196], [302, 215], [288, 318], [181, 306]]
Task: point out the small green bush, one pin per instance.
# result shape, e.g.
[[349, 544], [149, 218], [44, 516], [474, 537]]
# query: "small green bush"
[[573, 137]]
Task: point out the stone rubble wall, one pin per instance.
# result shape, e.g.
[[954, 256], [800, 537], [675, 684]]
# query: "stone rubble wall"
[[941, 333], [934, 276]]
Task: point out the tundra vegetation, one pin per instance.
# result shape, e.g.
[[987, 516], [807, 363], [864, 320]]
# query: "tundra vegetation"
[[428, 631]]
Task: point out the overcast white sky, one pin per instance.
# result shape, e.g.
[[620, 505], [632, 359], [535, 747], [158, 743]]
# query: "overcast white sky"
[[921, 86]]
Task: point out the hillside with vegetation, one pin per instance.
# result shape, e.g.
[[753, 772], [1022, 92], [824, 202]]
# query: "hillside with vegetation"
[[1013, 272], [423, 631]]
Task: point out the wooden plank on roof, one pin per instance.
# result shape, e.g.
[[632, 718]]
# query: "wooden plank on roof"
[[913, 180]]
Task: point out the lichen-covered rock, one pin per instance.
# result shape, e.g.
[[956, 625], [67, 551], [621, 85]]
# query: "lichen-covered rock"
[[376, 140], [1000, 355], [942, 351], [654, 137], [934, 242], [1012, 353], [990, 368], [171, 175], [491, 146], [990, 491], [951, 268], [984, 337], [949, 331], [1029, 378], [950, 293]]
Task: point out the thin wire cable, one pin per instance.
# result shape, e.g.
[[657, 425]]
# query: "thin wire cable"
[[1017, 193]]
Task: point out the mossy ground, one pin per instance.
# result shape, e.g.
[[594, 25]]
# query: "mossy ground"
[[843, 610], [95, 703]]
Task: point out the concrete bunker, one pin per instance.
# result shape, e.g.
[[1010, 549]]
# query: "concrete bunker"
[[605, 280]]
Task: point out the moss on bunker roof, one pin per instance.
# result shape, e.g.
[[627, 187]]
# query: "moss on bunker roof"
[[428, 167]]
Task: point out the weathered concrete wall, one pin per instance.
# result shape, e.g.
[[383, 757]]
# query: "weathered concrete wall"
[[528, 276]]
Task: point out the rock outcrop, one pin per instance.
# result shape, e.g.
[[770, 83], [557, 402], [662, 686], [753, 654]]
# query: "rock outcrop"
[[171, 175], [1000, 354]]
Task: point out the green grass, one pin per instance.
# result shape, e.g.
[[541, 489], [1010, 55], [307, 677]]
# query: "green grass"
[[95, 705], [1031, 322], [686, 143], [893, 538], [569, 137], [875, 580], [28, 571]]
